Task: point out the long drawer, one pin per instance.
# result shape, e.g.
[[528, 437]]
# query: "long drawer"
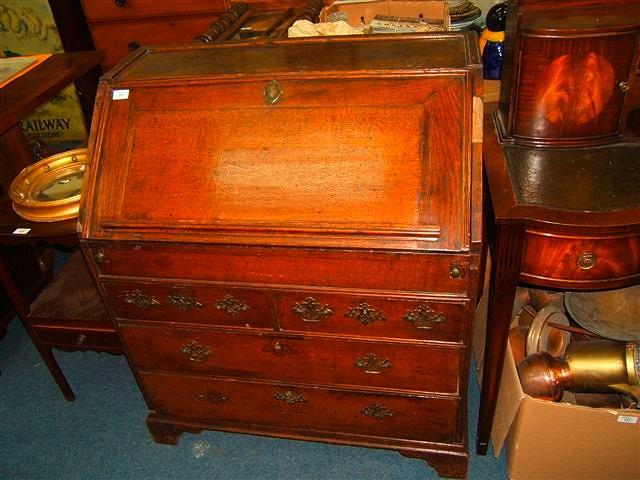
[[409, 272], [188, 303], [204, 399], [326, 361]]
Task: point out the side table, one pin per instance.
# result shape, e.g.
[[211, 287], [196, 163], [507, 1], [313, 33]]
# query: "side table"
[[558, 218]]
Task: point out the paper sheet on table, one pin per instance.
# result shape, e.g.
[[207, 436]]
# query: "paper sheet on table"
[[305, 28]]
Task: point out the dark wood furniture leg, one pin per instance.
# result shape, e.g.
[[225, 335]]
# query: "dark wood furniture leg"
[[507, 245], [22, 308]]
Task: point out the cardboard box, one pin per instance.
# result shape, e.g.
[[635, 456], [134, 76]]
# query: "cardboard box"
[[553, 441], [434, 11]]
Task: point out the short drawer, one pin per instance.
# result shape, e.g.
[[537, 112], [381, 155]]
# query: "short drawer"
[[211, 400], [326, 361], [557, 260], [120, 40], [102, 10], [80, 339], [414, 272], [372, 316], [186, 303]]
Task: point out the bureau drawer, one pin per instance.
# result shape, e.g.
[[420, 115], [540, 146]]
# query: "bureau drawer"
[[328, 361], [309, 408], [418, 272], [102, 10], [121, 39], [371, 316], [557, 260], [187, 303]]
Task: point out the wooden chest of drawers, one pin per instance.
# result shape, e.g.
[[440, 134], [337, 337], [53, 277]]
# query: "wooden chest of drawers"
[[287, 236]]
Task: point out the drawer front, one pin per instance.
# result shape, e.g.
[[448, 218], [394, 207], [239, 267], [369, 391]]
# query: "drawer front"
[[120, 40], [103, 10], [78, 338], [575, 260], [327, 361], [210, 400], [188, 303], [370, 316], [284, 266]]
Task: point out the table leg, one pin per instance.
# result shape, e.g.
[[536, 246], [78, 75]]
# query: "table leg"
[[22, 308], [507, 253]]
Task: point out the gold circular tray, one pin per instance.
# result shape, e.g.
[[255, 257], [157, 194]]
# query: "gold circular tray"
[[49, 190]]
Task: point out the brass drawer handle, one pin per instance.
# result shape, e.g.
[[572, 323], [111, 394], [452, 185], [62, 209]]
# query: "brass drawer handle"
[[279, 349], [272, 92], [210, 397], [140, 299], [377, 411], [424, 317], [182, 299], [133, 46], [99, 256], [231, 305], [371, 363], [587, 260], [311, 311], [195, 352], [289, 397], [365, 314]]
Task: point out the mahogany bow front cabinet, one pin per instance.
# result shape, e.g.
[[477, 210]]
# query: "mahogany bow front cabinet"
[[287, 236]]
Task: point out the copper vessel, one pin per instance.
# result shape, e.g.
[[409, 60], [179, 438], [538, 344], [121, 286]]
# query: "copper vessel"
[[589, 366]]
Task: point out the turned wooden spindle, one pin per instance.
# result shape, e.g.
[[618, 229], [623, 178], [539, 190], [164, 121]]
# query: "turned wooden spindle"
[[311, 11], [220, 26]]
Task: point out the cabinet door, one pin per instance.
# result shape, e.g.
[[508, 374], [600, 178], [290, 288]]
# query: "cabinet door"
[[573, 87]]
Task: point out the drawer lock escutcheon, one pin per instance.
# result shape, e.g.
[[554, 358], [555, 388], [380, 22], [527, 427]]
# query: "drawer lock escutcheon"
[[195, 352], [424, 317], [365, 314], [231, 305], [587, 260], [377, 411], [289, 397], [140, 299], [371, 363], [210, 397], [272, 92], [311, 311], [184, 300]]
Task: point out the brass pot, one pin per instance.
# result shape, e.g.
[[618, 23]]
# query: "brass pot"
[[49, 190], [589, 366]]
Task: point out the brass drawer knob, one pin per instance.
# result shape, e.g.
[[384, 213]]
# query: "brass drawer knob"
[[365, 314], [195, 352], [120, 3], [182, 299], [231, 305], [311, 311], [133, 46], [456, 271], [140, 299], [371, 363], [587, 260], [99, 256], [289, 397], [81, 339], [210, 397], [377, 411], [424, 317], [623, 86]]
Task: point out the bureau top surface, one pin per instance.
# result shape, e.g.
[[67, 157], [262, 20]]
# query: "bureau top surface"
[[340, 54], [338, 142]]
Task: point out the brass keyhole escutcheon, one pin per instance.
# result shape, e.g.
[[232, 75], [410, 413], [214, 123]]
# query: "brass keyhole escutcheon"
[[587, 260], [272, 92]]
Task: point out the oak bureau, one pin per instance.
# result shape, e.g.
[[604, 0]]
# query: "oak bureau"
[[288, 236]]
